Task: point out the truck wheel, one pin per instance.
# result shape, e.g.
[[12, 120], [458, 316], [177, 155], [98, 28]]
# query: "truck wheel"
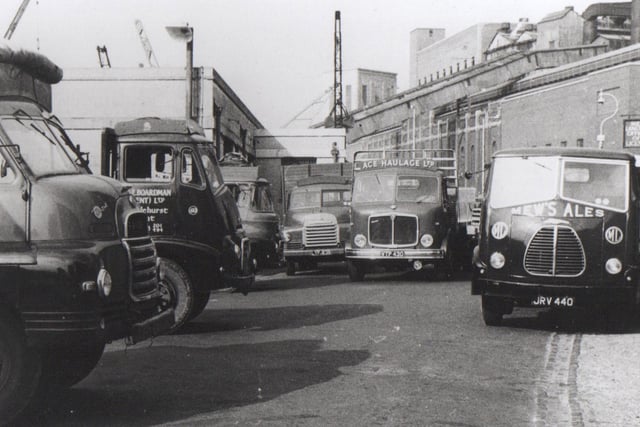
[[63, 367], [492, 310], [199, 304], [20, 370], [355, 270], [291, 268], [177, 291]]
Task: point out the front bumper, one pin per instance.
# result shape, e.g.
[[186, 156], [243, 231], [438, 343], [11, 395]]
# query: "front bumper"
[[395, 254], [151, 327], [525, 293], [109, 324], [314, 252]]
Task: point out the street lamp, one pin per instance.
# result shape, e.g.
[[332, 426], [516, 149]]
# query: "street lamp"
[[185, 34], [601, 95]]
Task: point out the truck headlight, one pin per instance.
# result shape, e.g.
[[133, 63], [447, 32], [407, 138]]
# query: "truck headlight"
[[360, 240], [104, 283], [286, 236], [237, 249], [497, 260], [426, 240], [613, 266]]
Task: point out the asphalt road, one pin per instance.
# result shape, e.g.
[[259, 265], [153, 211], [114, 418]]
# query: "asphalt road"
[[317, 350]]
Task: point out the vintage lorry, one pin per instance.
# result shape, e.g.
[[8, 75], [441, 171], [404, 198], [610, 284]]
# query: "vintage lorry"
[[255, 203], [404, 212], [77, 265], [193, 218], [316, 225], [559, 228]]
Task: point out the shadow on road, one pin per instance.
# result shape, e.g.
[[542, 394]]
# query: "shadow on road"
[[266, 319], [156, 385], [575, 321]]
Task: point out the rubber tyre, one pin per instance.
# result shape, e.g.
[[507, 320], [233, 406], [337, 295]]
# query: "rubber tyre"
[[291, 268], [492, 310], [177, 291], [20, 370], [355, 270], [199, 304], [64, 367]]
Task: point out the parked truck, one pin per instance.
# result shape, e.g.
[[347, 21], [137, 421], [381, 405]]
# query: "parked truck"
[[195, 224], [559, 228], [404, 212], [316, 223], [252, 194], [77, 265]]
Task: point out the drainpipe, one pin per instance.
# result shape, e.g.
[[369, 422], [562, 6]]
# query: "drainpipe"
[[635, 21]]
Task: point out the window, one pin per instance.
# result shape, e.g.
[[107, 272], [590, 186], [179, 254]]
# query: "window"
[[148, 163], [418, 189], [190, 172], [262, 196], [364, 95], [332, 198], [579, 142]]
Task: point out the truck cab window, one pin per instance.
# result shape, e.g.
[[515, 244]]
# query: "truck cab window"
[[7, 174], [262, 196], [153, 164], [190, 172], [39, 147]]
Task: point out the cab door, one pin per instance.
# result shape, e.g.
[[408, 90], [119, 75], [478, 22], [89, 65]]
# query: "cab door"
[[195, 205], [15, 246]]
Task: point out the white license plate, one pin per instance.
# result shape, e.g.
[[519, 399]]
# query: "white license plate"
[[320, 252], [546, 301], [392, 253]]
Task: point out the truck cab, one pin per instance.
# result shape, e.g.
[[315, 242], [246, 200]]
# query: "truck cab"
[[255, 203], [193, 218], [403, 211], [559, 228], [316, 225], [77, 265]]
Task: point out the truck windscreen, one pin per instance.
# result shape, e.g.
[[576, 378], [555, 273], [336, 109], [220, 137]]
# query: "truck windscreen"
[[523, 180], [376, 187], [39, 148]]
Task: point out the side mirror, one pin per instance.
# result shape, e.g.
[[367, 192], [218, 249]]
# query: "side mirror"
[[468, 175], [3, 168]]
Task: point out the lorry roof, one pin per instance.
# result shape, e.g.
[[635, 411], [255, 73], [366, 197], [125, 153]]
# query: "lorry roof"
[[565, 152], [156, 125]]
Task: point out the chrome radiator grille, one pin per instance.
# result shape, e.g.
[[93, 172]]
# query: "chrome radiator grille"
[[555, 251], [393, 230], [142, 259], [320, 235]]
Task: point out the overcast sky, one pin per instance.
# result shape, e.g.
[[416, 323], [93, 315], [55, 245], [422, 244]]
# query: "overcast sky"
[[277, 55]]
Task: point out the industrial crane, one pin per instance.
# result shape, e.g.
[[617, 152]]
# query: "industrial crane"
[[146, 44], [16, 19]]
